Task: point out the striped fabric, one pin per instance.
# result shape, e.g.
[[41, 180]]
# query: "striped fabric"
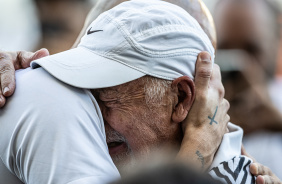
[[234, 171]]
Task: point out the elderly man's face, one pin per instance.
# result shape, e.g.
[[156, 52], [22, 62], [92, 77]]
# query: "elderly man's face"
[[136, 125]]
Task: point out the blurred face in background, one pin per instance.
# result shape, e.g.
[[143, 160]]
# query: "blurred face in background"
[[61, 22], [251, 26]]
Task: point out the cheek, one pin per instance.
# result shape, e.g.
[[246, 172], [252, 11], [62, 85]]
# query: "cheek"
[[134, 125], [120, 120]]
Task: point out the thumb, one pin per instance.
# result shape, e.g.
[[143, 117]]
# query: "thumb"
[[203, 71], [27, 57], [40, 54]]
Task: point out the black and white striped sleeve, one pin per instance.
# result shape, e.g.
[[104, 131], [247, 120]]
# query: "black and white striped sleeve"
[[234, 171]]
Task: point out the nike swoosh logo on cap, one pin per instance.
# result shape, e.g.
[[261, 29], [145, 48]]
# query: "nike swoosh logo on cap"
[[90, 32]]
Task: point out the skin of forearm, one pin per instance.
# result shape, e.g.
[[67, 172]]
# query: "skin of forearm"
[[195, 150]]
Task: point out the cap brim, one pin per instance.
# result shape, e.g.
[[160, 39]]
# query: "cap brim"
[[82, 68]]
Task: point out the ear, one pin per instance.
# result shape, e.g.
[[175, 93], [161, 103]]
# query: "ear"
[[185, 88]]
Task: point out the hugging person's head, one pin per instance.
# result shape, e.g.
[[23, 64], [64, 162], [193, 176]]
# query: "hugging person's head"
[[143, 54]]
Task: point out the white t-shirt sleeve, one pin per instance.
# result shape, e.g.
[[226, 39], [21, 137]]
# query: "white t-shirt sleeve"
[[53, 134]]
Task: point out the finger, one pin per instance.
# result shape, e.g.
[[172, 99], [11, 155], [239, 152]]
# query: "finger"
[[7, 77], [227, 120], [260, 180], [226, 106], [259, 169], [203, 71], [216, 81], [24, 58], [8, 82], [40, 54], [2, 99], [267, 180]]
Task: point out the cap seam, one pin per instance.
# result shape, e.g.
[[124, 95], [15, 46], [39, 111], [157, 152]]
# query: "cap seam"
[[156, 55], [133, 67], [120, 26]]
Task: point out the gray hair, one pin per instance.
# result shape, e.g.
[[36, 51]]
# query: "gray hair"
[[155, 89]]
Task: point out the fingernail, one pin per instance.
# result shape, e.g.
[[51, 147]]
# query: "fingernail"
[[205, 57], [6, 90]]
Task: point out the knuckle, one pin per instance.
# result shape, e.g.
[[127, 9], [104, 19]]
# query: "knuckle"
[[222, 89], [227, 118], [216, 66], [272, 180], [20, 56], [204, 72], [201, 97], [226, 103], [221, 93], [4, 55], [6, 79], [265, 169], [5, 67]]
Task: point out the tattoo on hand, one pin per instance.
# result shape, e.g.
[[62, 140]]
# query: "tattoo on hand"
[[201, 158], [212, 119]]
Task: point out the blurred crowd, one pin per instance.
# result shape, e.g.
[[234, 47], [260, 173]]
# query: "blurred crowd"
[[249, 51]]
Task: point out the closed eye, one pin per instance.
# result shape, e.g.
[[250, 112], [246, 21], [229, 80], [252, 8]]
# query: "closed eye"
[[110, 104]]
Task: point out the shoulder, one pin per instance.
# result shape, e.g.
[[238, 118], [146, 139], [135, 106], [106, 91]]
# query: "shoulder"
[[39, 93], [48, 126], [40, 100], [44, 107]]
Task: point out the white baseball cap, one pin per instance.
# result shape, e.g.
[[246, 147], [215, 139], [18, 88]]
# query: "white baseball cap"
[[134, 39]]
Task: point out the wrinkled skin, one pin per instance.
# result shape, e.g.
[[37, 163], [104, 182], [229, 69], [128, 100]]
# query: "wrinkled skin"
[[144, 126], [11, 61], [204, 78], [135, 127], [209, 96]]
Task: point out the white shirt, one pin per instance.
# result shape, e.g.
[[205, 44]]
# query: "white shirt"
[[229, 166], [52, 133]]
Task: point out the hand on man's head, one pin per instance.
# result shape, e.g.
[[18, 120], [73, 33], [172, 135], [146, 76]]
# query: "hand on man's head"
[[207, 120], [11, 61]]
